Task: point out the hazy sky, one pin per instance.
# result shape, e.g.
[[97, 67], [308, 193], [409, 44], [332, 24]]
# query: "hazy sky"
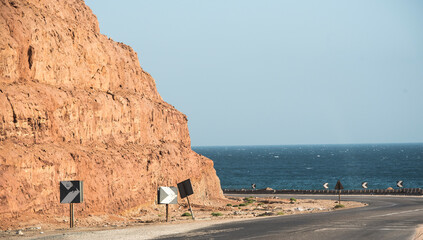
[[281, 72]]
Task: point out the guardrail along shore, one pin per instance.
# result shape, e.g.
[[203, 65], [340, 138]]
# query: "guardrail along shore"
[[402, 191]]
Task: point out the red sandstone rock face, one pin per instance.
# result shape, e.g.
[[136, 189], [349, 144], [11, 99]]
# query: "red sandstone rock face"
[[75, 105]]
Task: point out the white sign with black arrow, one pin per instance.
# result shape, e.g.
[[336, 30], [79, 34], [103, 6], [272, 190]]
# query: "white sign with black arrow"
[[326, 185], [168, 195], [399, 184], [364, 185]]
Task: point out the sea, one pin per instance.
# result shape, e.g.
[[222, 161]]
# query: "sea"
[[310, 166]]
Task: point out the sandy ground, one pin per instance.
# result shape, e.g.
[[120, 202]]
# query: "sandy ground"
[[419, 233], [147, 226]]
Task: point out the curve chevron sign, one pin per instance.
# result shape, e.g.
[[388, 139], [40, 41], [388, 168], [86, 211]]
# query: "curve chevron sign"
[[364, 185], [168, 195], [71, 192]]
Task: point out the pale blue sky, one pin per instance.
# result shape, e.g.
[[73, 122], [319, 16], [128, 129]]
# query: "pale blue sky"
[[281, 72]]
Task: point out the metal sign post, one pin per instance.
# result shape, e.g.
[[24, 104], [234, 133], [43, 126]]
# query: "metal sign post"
[[167, 212], [190, 208], [185, 189], [71, 192], [71, 215]]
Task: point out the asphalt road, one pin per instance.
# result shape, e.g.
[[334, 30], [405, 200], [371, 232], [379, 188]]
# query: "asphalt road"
[[386, 217]]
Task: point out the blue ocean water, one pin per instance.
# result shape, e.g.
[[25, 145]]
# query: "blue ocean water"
[[310, 166]]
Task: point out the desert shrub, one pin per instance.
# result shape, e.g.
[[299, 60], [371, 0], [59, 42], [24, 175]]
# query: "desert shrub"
[[229, 205], [280, 213], [216, 214], [339, 206], [266, 214], [235, 206], [292, 200], [186, 214], [242, 204], [249, 200]]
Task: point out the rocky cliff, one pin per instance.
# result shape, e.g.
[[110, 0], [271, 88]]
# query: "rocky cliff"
[[75, 105]]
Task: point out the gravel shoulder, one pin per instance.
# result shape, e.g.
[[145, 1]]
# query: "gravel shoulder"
[[152, 225]]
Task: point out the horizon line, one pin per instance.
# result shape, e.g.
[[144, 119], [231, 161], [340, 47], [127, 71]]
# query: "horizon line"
[[305, 144]]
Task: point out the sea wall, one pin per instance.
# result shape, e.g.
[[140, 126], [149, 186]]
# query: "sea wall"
[[402, 191]]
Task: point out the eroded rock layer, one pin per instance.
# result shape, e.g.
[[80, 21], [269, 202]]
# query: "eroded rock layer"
[[75, 105]]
